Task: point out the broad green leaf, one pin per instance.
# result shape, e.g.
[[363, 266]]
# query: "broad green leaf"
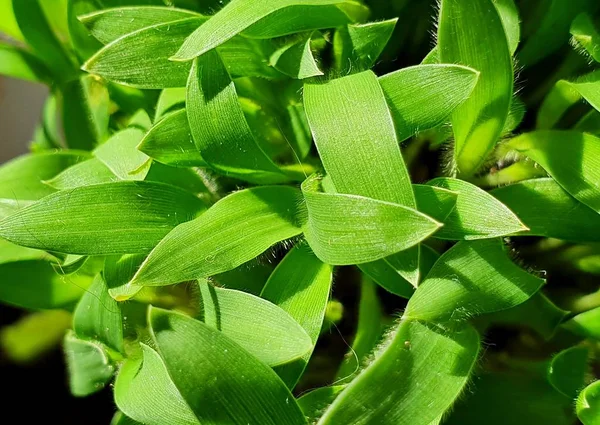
[[250, 277], [110, 24], [436, 202], [113, 218], [586, 324], [553, 30], [472, 278], [349, 229], [261, 328], [32, 336], [368, 333], [98, 317], [22, 178], [464, 26], [121, 156], [565, 94], [477, 214], [548, 210], [170, 142], [168, 101], [586, 36], [8, 23], [567, 370], [118, 271], [589, 123], [268, 20], [296, 59], [71, 264], [85, 112], [357, 47], [537, 313], [588, 404], [226, 143], [88, 364], [245, 390], [18, 63], [300, 285], [424, 96], [234, 230], [34, 284], [120, 419], [85, 173], [314, 403], [10, 253], [509, 14], [84, 44], [570, 157], [414, 381], [39, 35], [193, 180]]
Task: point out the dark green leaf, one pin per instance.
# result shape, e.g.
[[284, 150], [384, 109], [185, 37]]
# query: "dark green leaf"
[[567, 370]]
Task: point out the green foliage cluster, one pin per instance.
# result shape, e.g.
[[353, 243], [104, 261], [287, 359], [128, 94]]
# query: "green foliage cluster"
[[206, 174]]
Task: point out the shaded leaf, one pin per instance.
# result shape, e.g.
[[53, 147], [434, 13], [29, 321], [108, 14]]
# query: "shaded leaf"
[[296, 59], [586, 36], [85, 173], [314, 403], [18, 63], [121, 156], [567, 370], [88, 364]]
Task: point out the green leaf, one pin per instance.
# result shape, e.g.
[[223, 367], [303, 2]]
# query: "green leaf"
[[83, 42], [268, 20], [211, 93], [295, 59], [570, 157], [85, 173], [348, 229], [121, 156], [590, 123], [470, 279], [245, 391], [98, 317], [193, 180], [110, 24], [8, 24], [170, 142], [39, 35], [300, 285], [88, 364], [113, 218], [22, 178], [586, 324], [18, 63], [424, 96], [120, 419], [477, 215], [586, 36], [565, 94], [34, 284], [85, 112], [567, 370], [169, 101], [261, 328], [464, 26], [509, 14], [234, 230], [548, 210], [357, 47], [10, 253], [588, 404], [433, 366], [314, 403], [118, 271]]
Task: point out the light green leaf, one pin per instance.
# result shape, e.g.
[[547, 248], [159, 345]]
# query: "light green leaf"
[[348, 229], [424, 96], [110, 24], [18, 63], [268, 20], [170, 142], [89, 367], [570, 157], [433, 366], [236, 229], [586, 324], [565, 94], [509, 14], [8, 24], [85, 112], [120, 419], [34, 284], [121, 156], [548, 210], [588, 404], [245, 390], [300, 285], [586, 36], [477, 215], [10, 253], [226, 143], [261, 328], [471, 278], [567, 370], [22, 178], [113, 218], [194, 180], [314, 403], [85, 173], [296, 59], [118, 271], [464, 26], [357, 47], [98, 317], [168, 101]]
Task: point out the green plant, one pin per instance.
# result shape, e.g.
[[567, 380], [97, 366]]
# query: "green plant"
[[182, 214]]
